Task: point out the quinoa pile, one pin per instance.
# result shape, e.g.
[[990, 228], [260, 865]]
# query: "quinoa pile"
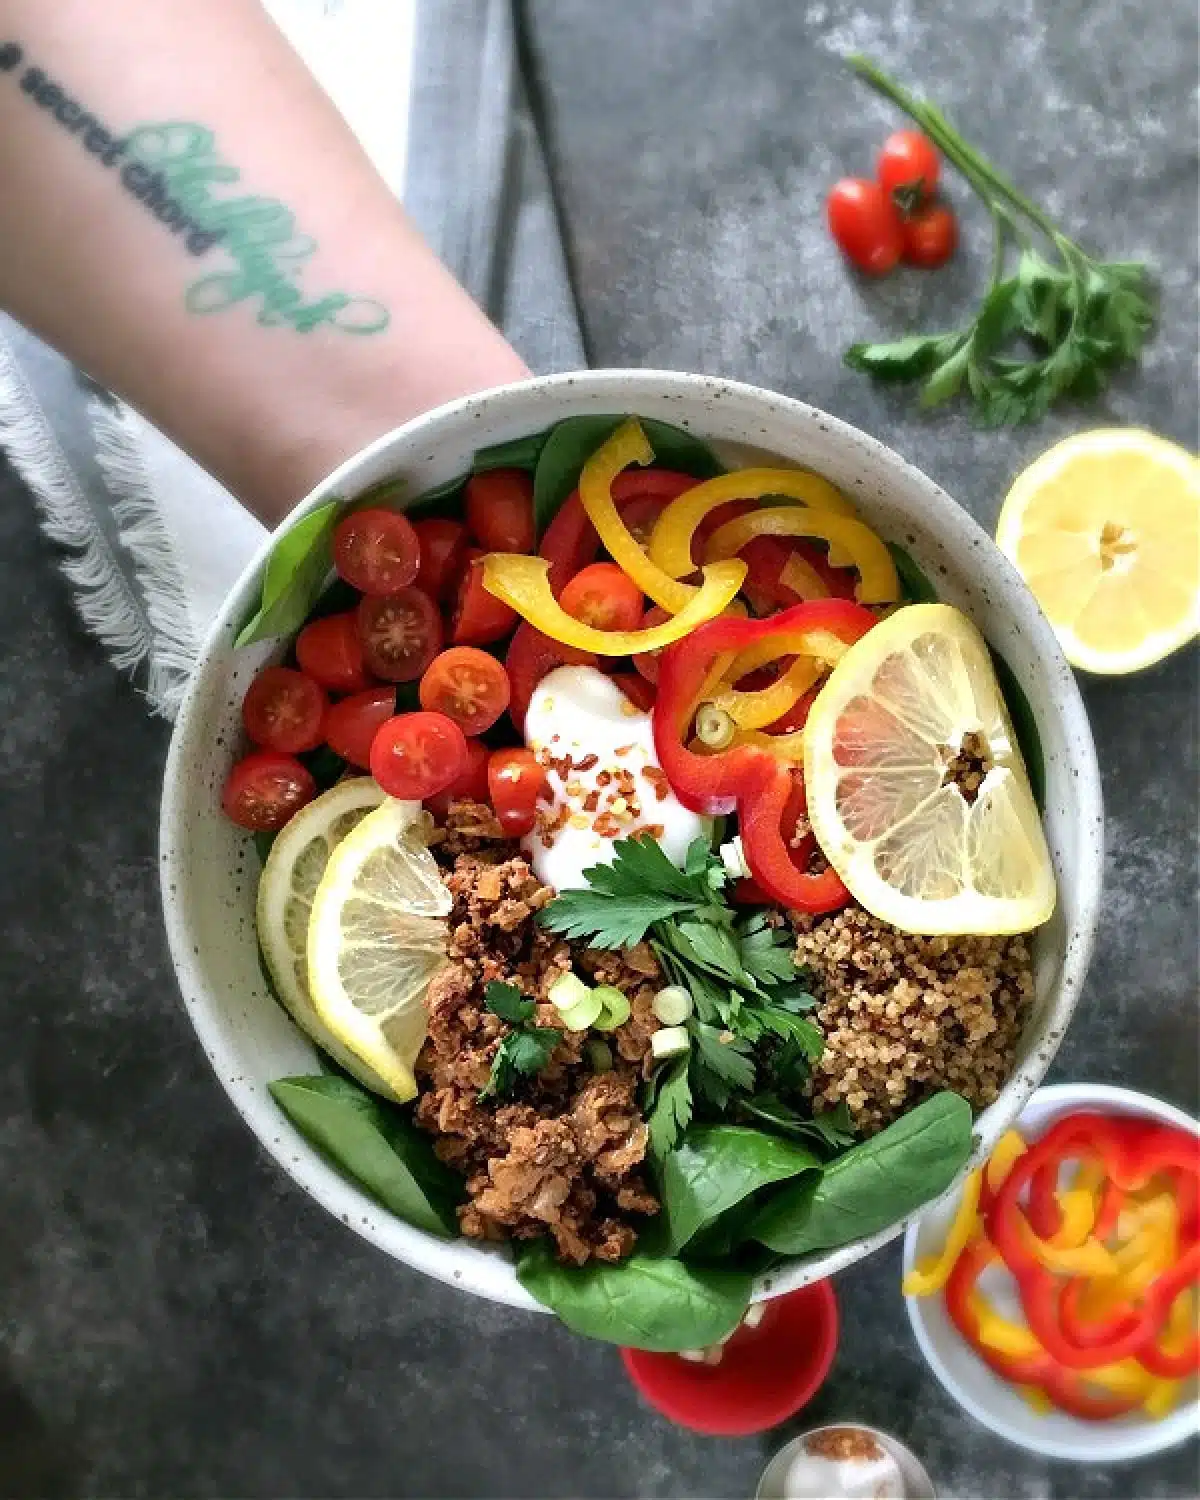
[[905, 1015]]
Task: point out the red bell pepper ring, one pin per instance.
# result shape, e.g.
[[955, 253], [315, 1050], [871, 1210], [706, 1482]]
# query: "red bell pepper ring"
[[747, 777]]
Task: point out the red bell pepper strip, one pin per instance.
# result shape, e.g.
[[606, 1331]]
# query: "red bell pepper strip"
[[762, 817]]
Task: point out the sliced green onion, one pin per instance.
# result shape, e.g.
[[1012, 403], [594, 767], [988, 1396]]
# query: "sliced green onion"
[[599, 1056], [714, 727], [567, 991], [580, 1017], [616, 1007], [672, 1005], [670, 1042], [733, 857]]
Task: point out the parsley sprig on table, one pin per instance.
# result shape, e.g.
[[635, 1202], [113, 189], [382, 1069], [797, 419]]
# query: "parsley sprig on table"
[[1056, 326], [750, 1028], [526, 1049]]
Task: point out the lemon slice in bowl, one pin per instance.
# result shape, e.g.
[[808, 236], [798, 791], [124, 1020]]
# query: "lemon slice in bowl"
[[376, 937], [1105, 530], [917, 792], [289, 881]]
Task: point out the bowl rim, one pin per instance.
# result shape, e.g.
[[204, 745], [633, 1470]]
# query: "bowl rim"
[[1148, 1436], [627, 388]]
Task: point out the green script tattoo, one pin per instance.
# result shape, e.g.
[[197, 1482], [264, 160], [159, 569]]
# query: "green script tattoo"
[[257, 234]]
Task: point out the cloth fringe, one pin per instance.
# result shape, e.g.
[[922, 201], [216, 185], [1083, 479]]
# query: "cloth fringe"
[[173, 645], [107, 605]]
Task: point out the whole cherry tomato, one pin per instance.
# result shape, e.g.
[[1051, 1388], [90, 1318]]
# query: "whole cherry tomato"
[[930, 236], [865, 223], [908, 169]]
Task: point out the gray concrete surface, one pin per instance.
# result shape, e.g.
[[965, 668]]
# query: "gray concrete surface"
[[175, 1319]]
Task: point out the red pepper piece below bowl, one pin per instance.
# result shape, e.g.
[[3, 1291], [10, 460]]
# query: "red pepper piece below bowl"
[[765, 1376]]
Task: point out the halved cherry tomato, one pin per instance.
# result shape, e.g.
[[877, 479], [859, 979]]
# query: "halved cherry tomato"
[[865, 223], [468, 686], [284, 710], [604, 596], [376, 550], [350, 725], [479, 618], [638, 690], [330, 651], [264, 789], [930, 236], [400, 634], [645, 663], [416, 755], [499, 507], [908, 169], [471, 786], [443, 545], [515, 782], [530, 656]]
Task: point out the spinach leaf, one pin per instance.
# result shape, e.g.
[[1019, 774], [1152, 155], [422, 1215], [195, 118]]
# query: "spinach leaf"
[[262, 844], [1029, 741], [832, 1130], [716, 1166], [917, 587], [324, 765], [645, 1302], [573, 441], [873, 1185], [520, 453], [292, 579], [442, 500], [376, 1146]]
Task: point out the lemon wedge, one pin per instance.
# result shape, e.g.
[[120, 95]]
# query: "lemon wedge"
[[917, 792], [376, 937], [286, 889], [1105, 530]]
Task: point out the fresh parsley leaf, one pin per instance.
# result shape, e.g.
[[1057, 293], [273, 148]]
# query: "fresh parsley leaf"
[[672, 1112], [767, 952], [833, 1129], [522, 1052], [710, 947], [790, 1027], [698, 856], [905, 359], [507, 1002], [610, 921], [722, 1062]]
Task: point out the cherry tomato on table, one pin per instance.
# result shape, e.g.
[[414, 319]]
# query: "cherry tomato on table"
[[376, 550], [284, 710], [865, 223], [400, 634], [605, 597], [330, 652], [930, 236], [351, 725], [515, 782], [443, 546], [908, 169], [471, 785], [264, 789], [416, 755], [531, 655], [499, 507], [479, 617], [468, 686]]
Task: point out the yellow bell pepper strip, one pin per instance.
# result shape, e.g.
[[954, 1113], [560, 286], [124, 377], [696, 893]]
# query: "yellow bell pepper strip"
[[675, 530], [788, 748], [931, 1274], [1036, 1399], [878, 583], [758, 708], [523, 583], [1089, 1259], [821, 645], [999, 1164], [628, 445], [799, 575]]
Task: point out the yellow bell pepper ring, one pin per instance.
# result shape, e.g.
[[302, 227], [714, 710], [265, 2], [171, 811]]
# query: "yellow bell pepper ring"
[[755, 710], [628, 445], [878, 583], [1010, 1145], [932, 1273], [675, 530], [523, 583]]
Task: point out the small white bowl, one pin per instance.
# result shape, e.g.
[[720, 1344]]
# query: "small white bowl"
[[209, 871], [994, 1403]]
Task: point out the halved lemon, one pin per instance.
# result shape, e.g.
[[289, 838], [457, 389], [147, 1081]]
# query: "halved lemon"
[[376, 937], [917, 792], [286, 889], [1105, 530]]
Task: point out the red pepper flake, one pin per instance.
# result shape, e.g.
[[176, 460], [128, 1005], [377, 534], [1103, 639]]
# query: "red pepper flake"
[[655, 830], [603, 778], [591, 802], [587, 762], [607, 826], [622, 749], [658, 780]]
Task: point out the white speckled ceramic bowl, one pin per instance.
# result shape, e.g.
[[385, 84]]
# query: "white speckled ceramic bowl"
[[209, 869], [993, 1402]]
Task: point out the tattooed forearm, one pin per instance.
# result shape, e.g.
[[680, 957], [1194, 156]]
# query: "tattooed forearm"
[[175, 171]]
